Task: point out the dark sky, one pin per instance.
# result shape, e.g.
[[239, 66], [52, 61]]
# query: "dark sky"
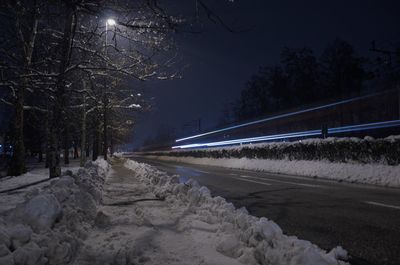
[[221, 62]]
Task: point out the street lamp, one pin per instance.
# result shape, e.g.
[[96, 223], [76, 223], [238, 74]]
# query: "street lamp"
[[110, 22]]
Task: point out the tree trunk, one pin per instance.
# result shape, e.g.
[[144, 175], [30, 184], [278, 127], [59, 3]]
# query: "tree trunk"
[[66, 143], [83, 131], [47, 136], [105, 123], [54, 154], [66, 155], [47, 161], [40, 153], [59, 106], [398, 99], [111, 142], [76, 151], [67, 133], [17, 166], [96, 143]]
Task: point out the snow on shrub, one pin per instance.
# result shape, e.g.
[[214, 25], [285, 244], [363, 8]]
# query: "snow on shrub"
[[367, 150], [249, 239]]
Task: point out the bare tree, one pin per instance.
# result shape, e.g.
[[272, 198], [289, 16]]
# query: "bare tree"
[[49, 47], [18, 43]]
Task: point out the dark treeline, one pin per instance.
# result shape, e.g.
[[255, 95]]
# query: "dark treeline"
[[301, 78]]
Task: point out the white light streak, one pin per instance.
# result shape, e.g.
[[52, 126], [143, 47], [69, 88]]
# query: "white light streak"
[[275, 117], [253, 139], [383, 205], [343, 129]]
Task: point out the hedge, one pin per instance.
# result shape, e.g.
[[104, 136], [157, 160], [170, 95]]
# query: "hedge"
[[367, 150]]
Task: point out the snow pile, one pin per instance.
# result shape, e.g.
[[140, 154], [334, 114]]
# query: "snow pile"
[[118, 154], [49, 227], [367, 160], [375, 174], [246, 238], [9, 200]]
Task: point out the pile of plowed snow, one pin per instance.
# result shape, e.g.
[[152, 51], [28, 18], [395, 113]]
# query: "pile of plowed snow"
[[48, 228], [248, 239]]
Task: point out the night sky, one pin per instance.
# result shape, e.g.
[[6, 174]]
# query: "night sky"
[[221, 61]]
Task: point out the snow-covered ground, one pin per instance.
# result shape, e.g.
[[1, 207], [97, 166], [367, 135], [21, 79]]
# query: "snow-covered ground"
[[10, 200], [375, 174], [200, 229], [135, 214], [50, 225]]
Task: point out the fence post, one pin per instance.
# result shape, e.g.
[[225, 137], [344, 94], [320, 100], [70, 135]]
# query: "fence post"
[[398, 99], [324, 131]]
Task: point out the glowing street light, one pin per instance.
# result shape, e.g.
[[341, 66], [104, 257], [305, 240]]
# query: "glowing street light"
[[111, 22]]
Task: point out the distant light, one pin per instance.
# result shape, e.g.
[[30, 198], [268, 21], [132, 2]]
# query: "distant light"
[[1, 145], [139, 94], [111, 22], [365, 126], [252, 139], [285, 136], [285, 115]]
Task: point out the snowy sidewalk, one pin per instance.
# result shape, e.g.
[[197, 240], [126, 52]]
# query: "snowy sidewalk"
[[135, 214], [134, 226], [148, 217]]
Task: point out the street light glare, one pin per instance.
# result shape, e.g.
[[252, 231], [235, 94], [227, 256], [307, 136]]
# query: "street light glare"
[[111, 22]]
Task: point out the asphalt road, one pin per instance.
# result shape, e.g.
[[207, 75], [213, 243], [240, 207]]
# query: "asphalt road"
[[364, 219]]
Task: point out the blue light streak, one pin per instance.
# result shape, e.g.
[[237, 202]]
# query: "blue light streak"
[[343, 129], [278, 117], [366, 126], [252, 140]]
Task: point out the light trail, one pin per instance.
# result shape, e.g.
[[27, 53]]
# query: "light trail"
[[251, 140], [366, 126], [278, 117], [343, 129]]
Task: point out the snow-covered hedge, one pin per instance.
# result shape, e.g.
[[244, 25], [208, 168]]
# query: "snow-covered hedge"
[[48, 228], [249, 239], [368, 150]]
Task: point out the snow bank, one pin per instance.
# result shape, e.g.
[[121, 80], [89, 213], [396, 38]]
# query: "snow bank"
[[375, 174], [367, 160], [11, 199], [248, 239], [368, 150], [118, 154], [33, 175], [49, 227]]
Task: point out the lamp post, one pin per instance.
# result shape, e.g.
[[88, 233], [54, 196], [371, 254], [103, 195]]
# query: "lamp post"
[[109, 22]]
